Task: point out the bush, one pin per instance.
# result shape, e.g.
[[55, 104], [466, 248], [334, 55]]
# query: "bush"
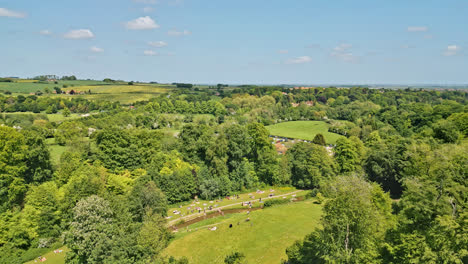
[[235, 258], [272, 202]]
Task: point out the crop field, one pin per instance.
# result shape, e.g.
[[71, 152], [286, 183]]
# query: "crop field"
[[263, 239], [117, 89], [32, 86], [305, 130]]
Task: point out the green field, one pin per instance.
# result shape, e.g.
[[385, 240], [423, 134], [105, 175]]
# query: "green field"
[[55, 150], [53, 258], [31, 86], [264, 239], [120, 91], [305, 130], [116, 89], [244, 197]]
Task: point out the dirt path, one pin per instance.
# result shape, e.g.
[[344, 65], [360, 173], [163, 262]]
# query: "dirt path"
[[196, 215]]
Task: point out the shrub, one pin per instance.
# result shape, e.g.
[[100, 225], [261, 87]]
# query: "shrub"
[[272, 202]]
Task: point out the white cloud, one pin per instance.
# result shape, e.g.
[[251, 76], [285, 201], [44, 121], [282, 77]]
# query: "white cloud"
[[157, 44], [45, 32], [176, 33], [150, 53], [299, 60], [96, 49], [342, 52], [417, 29], [342, 47], [451, 50], [283, 51], [148, 2], [79, 34], [10, 13], [148, 9], [141, 23]]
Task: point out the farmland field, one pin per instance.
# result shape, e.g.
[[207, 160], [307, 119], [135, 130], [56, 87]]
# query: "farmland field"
[[303, 130], [31, 86], [263, 239], [118, 89]]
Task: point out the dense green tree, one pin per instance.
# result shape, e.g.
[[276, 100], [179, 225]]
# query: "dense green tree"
[[13, 151], [446, 131], [147, 197], [309, 164], [39, 168], [91, 231], [348, 154], [432, 211], [384, 164], [263, 154], [356, 218], [177, 179], [319, 139]]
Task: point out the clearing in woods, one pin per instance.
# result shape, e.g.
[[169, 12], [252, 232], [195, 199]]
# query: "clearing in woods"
[[305, 130]]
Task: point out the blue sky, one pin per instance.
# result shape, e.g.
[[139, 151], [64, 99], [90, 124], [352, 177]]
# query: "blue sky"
[[243, 41]]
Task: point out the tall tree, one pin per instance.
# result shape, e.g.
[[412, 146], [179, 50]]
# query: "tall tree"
[[355, 220]]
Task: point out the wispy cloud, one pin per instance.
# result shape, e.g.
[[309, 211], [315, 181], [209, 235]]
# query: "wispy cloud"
[[79, 34], [343, 53], [141, 23], [148, 9], [147, 2], [174, 32], [283, 51], [96, 49], [417, 29], [299, 60], [150, 53], [157, 44], [451, 50], [45, 32], [10, 13]]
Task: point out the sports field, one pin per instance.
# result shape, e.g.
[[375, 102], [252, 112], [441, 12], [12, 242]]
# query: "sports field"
[[263, 239], [305, 130]]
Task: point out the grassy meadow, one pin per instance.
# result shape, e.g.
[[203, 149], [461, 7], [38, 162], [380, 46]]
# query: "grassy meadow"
[[305, 130], [244, 197], [263, 239]]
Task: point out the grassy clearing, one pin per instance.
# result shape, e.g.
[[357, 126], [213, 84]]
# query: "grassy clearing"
[[55, 150], [59, 117], [53, 258], [263, 239], [183, 207], [51, 117], [303, 130]]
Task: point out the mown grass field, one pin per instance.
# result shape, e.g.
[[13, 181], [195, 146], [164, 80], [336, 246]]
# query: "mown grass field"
[[53, 258], [263, 239], [243, 197], [303, 130]]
